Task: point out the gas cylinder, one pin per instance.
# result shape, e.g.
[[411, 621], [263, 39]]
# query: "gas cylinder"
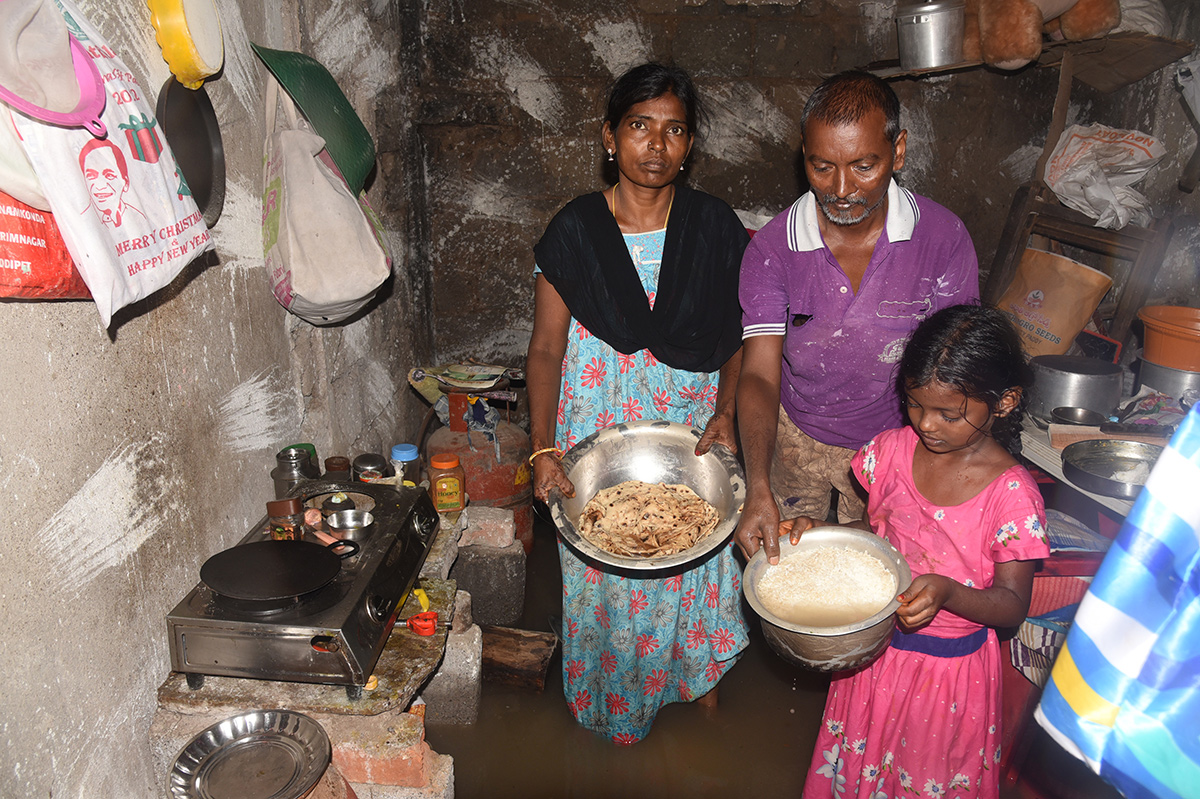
[[503, 483]]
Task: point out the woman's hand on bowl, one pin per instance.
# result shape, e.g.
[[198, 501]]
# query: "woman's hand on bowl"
[[719, 430], [548, 475]]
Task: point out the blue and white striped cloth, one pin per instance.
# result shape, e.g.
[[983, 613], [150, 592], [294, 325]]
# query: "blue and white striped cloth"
[[1124, 694]]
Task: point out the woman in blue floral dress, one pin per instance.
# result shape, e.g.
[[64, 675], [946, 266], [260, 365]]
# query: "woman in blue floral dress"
[[636, 317]]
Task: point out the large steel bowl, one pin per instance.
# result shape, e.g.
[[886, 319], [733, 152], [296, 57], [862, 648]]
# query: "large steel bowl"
[[1105, 466], [653, 452], [829, 648]]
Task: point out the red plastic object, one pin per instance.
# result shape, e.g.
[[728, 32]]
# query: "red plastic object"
[[423, 623], [503, 483]]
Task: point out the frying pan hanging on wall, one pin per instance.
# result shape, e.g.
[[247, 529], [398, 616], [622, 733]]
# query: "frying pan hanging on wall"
[[190, 125]]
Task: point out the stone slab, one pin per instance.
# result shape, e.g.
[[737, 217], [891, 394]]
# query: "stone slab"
[[444, 548]]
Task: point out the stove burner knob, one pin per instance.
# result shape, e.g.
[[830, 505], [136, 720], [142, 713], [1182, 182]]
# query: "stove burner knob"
[[377, 608], [324, 643]]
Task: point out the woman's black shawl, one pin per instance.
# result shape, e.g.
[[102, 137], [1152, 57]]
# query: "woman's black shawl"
[[696, 323]]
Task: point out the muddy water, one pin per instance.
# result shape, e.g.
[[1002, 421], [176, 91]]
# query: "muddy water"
[[756, 742]]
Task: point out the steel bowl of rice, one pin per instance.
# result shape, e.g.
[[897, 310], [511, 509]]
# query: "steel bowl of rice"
[[654, 461], [830, 603]]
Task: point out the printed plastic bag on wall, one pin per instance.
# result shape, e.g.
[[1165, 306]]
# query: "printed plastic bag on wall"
[[121, 203], [1092, 168]]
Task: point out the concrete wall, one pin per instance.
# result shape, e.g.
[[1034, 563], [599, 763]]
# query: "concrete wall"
[[513, 100], [129, 456]]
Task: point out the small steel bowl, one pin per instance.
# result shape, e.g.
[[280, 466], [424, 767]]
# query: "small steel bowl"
[[829, 648], [653, 452], [353, 525], [1072, 415]]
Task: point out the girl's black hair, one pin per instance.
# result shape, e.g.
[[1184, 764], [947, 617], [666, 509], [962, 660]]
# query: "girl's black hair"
[[976, 350], [648, 81]]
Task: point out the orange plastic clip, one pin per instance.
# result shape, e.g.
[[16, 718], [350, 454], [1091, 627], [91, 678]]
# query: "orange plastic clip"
[[424, 623]]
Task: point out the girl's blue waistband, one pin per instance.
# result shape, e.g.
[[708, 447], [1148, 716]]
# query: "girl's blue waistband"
[[939, 647]]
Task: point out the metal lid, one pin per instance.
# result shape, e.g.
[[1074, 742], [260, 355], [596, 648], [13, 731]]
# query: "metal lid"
[[285, 507], [1073, 364], [444, 460], [934, 7]]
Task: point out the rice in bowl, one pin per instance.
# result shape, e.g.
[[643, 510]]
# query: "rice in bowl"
[[826, 586]]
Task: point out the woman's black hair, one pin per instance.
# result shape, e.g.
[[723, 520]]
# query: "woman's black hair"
[[976, 350], [648, 81]]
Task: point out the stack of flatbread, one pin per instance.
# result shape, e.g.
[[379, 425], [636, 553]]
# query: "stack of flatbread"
[[646, 520]]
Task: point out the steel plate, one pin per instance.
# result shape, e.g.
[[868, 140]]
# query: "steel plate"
[[1102, 466], [263, 754], [654, 452]]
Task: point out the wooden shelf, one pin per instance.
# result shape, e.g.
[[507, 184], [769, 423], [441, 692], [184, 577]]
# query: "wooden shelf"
[[1106, 63]]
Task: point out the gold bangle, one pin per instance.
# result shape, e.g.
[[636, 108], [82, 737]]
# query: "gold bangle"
[[543, 451]]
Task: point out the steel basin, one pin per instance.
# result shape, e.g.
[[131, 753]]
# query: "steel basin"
[[829, 648], [653, 452]]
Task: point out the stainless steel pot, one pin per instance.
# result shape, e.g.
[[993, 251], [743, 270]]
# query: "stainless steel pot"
[[847, 646], [1074, 381], [1164, 379]]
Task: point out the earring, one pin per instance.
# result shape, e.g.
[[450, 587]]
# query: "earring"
[[681, 167], [610, 155]]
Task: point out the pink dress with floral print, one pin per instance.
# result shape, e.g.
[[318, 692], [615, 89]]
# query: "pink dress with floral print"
[[912, 724]]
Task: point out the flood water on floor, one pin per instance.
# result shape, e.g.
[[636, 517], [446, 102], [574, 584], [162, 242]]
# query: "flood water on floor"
[[756, 742]]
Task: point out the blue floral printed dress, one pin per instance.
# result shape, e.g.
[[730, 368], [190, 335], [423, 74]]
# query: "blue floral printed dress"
[[631, 645]]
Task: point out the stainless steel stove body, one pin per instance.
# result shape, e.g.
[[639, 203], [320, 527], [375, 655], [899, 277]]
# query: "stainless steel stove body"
[[333, 634]]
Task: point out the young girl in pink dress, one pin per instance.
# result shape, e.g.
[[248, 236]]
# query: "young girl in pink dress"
[[923, 719]]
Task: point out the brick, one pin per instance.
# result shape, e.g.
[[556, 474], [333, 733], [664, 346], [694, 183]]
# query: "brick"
[[332, 786], [453, 693], [441, 784], [388, 749], [493, 527], [495, 579]]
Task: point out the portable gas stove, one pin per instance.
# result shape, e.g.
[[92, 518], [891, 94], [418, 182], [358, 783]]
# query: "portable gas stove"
[[333, 634]]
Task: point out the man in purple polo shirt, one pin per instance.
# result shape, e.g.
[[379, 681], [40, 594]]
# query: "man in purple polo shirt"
[[830, 291]]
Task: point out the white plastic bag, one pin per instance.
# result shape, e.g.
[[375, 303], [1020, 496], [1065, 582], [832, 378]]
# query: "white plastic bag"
[[1093, 167], [121, 203]]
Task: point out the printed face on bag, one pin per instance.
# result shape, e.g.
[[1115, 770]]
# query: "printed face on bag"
[[104, 168]]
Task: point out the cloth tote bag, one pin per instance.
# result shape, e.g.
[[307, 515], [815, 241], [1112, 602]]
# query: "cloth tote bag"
[[323, 246]]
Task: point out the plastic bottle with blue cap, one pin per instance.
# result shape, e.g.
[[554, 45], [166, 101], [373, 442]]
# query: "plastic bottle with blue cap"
[[407, 463]]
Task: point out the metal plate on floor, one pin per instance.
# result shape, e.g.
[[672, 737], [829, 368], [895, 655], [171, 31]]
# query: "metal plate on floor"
[[263, 754]]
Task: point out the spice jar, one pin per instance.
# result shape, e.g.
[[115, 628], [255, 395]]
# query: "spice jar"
[[337, 467], [406, 462], [285, 519], [369, 468], [447, 483]]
